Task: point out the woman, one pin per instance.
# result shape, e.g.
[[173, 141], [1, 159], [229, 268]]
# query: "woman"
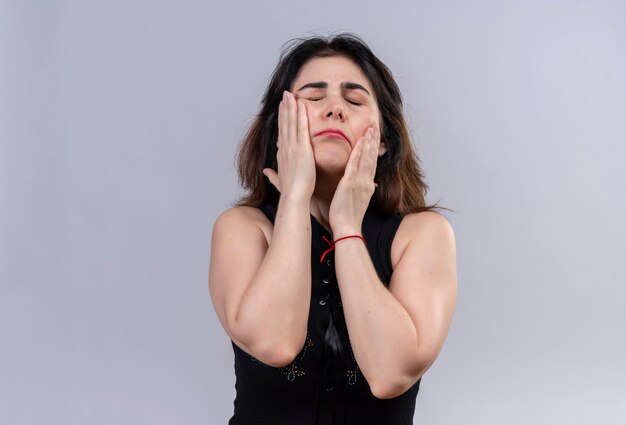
[[333, 279]]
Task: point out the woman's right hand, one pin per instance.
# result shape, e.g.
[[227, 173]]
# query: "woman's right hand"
[[296, 164]]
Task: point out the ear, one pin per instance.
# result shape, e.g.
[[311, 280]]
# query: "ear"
[[382, 148]]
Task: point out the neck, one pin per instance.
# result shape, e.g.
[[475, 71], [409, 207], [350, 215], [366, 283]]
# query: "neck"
[[325, 186]]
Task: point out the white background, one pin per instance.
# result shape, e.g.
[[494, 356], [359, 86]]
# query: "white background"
[[119, 123]]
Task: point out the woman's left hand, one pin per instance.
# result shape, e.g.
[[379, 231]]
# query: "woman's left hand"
[[356, 187]]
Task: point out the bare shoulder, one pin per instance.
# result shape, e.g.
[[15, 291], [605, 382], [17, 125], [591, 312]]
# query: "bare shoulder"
[[238, 246], [428, 229], [243, 219]]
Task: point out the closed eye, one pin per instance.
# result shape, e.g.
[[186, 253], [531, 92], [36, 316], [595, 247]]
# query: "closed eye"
[[315, 99]]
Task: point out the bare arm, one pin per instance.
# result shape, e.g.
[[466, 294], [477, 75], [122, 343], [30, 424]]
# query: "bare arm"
[[262, 293], [397, 333]]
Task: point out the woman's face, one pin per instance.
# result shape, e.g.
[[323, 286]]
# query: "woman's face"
[[340, 106]]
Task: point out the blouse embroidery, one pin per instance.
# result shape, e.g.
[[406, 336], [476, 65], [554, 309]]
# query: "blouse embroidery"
[[293, 369]]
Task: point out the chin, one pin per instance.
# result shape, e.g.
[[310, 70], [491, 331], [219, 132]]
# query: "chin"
[[330, 167], [331, 161], [331, 157]]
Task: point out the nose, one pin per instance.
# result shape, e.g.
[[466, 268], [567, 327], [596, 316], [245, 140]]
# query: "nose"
[[334, 109]]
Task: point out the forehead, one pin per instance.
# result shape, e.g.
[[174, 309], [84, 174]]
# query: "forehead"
[[333, 69]]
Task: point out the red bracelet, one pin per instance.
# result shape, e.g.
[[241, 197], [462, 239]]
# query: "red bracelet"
[[332, 244]]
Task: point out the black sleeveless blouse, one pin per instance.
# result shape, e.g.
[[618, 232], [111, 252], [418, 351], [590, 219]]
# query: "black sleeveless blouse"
[[324, 384]]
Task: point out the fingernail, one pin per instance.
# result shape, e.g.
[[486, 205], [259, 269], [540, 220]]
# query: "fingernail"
[[284, 94]]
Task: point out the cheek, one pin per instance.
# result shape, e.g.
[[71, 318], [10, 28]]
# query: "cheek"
[[376, 118], [368, 121]]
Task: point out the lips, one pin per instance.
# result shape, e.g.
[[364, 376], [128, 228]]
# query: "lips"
[[333, 132]]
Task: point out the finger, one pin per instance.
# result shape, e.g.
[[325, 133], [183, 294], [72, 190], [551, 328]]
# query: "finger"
[[365, 155], [292, 118], [376, 136], [303, 124], [352, 166], [272, 176], [282, 127], [371, 157], [367, 163]]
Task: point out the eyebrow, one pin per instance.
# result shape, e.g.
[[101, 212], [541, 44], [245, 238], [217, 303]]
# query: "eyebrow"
[[344, 86]]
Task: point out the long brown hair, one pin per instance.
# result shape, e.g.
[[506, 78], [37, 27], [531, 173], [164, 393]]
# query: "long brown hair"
[[401, 186]]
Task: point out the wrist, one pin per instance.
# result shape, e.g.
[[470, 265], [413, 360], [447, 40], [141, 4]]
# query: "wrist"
[[296, 198], [341, 231], [355, 236]]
